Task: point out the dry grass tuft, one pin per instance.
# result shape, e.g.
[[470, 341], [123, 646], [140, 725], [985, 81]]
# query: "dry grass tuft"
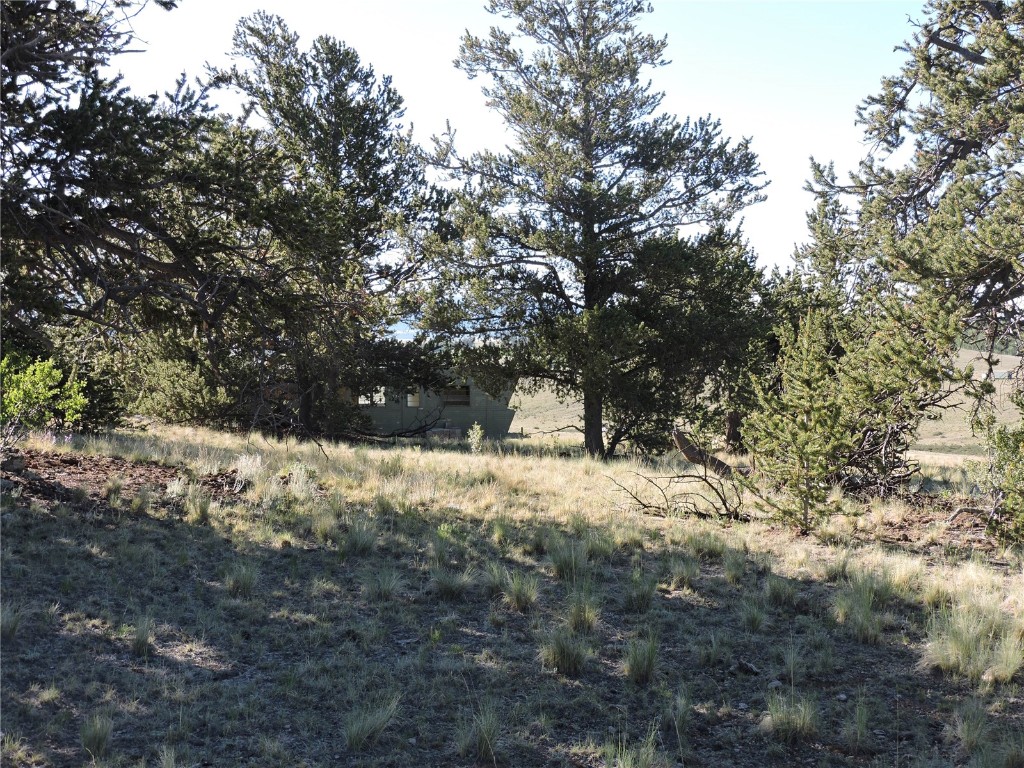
[[142, 638], [683, 573], [568, 559], [791, 719], [197, 505], [364, 724], [639, 661], [705, 544], [976, 642], [734, 565], [479, 735], [97, 732], [779, 591], [970, 726], [619, 754], [361, 537], [521, 590], [10, 621], [240, 580], [856, 731], [638, 596], [564, 651], [384, 584], [452, 585], [752, 615], [583, 611]]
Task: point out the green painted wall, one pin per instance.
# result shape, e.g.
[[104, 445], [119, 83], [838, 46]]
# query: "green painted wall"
[[397, 414]]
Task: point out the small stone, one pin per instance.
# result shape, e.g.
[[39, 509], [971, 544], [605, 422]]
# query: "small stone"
[[841, 697], [741, 705], [412, 742], [774, 685]]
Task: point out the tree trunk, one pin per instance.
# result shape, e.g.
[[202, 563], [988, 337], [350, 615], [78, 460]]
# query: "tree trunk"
[[733, 436], [593, 423], [307, 398], [614, 439]]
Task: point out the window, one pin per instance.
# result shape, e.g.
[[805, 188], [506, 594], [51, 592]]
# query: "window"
[[374, 397], [455, 395], [413, 399]]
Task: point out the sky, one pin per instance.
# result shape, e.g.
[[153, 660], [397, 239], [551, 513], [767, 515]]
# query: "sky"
[[789, 75]]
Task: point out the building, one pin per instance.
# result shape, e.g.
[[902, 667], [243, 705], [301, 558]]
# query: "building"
[[450, 412]]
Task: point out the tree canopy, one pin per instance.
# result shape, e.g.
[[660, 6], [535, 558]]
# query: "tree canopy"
[[226, 255], [84, 163], [949, 219], [931, 256]]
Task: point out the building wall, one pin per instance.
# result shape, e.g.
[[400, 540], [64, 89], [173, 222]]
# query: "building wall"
[[398, 412]]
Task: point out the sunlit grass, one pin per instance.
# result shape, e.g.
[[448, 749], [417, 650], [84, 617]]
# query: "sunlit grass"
[[471, 578], [791, 719], [978, 642]]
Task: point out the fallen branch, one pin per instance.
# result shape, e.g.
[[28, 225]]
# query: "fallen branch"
[[968, 511], [717, 499], [697, 455]]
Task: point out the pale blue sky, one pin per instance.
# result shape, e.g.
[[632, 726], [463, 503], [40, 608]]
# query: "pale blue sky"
[[789, 74]]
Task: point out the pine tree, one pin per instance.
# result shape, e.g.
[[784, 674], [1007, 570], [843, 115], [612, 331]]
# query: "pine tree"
[[353, 178], [932, 252], [238, 255], [899, 369], [949, 220], [559, 230], [892, 349], [797, 434], [1006, 479]]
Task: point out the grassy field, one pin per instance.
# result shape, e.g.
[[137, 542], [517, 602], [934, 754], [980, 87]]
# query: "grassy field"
[[947, 440], [951, 435], [183, 598]]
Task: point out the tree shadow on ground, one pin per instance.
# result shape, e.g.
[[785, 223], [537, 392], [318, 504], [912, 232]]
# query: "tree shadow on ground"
[[270, 655]]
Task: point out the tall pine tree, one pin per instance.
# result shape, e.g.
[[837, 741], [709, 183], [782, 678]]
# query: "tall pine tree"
[[559, 229], [871, 360]]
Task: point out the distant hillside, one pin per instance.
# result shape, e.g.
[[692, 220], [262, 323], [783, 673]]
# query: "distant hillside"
[[542, 413], [973, 357], [981, 346]]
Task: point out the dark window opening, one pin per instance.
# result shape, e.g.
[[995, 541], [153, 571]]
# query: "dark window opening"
[[455, 395]]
